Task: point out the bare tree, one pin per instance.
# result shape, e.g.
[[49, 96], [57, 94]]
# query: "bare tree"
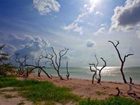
[[22, 62], [96, 69], [37, 63], [67, 68], [122, 59], [56, 59], [38, 66], [3, 56]]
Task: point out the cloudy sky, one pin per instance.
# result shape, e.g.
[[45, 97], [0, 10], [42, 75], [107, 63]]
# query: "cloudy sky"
[[83, 26]]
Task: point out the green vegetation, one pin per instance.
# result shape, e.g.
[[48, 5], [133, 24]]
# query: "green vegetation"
[[110, 101], [39, 91], [48, 93]]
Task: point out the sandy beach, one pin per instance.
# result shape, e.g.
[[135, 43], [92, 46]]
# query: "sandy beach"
[[84, 88], [81, 87]]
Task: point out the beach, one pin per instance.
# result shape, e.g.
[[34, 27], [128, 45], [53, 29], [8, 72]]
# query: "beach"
[[82, 88], [85, 89]]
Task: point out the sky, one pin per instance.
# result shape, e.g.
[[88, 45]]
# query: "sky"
[[83, 26]]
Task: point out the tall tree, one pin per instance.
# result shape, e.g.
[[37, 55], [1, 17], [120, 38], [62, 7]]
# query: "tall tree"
[[122, 59]]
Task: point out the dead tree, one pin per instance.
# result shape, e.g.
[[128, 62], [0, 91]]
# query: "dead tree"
[[37, 63], [56, 59], [3, 56], [96, 69], [41, 68], [68, 74], [131, 80], [122, 59], [22, 62], [37, 66]]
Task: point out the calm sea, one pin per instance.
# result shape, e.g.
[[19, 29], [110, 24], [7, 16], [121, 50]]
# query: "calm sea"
[[108, 74]]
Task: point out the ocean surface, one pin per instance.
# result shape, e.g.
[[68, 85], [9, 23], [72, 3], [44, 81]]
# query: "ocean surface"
[[108, 74]]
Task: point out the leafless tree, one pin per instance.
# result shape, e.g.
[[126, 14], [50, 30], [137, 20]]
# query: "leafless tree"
[[37, 63], [56, 59], [22, 62], [37, 66], [3, 56], [122, 59], [96, 69], [67, 68]]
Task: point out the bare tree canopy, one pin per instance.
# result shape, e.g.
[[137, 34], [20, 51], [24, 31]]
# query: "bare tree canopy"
[[22, 62], [122, 59], [96, 69], [56, 59]]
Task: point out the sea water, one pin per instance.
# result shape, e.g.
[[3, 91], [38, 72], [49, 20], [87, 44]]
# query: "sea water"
[[108, 74]]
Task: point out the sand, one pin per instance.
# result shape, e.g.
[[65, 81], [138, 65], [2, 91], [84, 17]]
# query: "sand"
[[80, 87], [85, 89]]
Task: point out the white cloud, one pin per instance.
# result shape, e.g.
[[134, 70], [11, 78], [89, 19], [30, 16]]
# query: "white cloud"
[[100, 31], [90, 43], [88, 9], [98, 13], [74, 27], [46, 6], [22, 44], [126, 17]]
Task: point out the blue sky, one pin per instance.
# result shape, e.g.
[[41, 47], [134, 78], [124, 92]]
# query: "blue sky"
[[83, 26]]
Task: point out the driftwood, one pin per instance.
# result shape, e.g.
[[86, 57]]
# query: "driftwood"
[[118, 92], [131, 92]]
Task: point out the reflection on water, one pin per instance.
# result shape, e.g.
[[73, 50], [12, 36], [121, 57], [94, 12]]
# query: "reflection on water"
[[108, 74]]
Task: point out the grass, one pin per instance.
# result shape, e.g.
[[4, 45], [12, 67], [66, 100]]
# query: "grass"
[[37, 91], [48, 93], [110, 101]]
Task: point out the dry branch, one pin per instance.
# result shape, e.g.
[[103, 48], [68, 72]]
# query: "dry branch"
[[122, 59]]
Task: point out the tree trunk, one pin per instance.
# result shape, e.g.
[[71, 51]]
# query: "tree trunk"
[[93, 78], [123, 76], [45, 73], [39, 72], [59, 75], [99, 80]]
